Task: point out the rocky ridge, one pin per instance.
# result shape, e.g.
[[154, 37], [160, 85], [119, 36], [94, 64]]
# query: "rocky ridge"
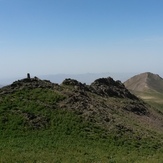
[[105, 102], [79, 95]]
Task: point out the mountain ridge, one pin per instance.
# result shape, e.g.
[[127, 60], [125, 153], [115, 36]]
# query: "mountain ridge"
[[103, 97], [102, 121]]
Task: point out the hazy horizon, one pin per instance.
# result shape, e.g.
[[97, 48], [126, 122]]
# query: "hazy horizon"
[[78, 37], [87, 78]]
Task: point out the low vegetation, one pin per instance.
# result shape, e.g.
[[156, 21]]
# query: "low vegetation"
[[34, 128], [153, 98]]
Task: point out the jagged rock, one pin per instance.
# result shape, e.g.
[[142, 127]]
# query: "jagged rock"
[[81, 97], [72, 82], [108, 87], [76, 84], [137, 108], [86, 101]]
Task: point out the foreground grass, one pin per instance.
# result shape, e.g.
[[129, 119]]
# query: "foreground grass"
[[63, 136], [72, 140], [55, 145]]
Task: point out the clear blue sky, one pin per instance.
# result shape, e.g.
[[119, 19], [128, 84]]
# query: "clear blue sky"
[[80, 36]]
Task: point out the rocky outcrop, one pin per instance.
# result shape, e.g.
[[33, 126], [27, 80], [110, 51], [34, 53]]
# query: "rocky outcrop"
[[88, 99], [109, 88], [138, 108], [27, 83], [105, 87], [81, 97], [76, 84]]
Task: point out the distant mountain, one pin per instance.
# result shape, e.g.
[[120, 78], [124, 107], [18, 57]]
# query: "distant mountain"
[[145, 82], [1, 86], [149, 87]]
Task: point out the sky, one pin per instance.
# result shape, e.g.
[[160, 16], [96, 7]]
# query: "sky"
[[80, 36]]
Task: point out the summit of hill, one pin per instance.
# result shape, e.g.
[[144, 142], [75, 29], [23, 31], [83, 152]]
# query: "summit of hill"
[[145, 82]]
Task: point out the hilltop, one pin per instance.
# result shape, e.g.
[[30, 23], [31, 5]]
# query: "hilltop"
[[149, 87], [145, 82], [74, 121]]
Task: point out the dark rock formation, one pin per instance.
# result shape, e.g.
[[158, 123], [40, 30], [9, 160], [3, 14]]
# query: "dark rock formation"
[[107, 87], [27, 83], [137, 107], [76, 84], [81, 97]]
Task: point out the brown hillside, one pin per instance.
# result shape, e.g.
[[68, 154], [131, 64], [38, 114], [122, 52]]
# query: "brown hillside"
[[145, 81]]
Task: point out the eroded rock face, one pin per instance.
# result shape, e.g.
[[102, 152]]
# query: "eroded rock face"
[[109, 88]]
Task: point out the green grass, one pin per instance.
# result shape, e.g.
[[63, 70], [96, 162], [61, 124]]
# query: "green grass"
[[69, 139], [33, 129], [153, 98]]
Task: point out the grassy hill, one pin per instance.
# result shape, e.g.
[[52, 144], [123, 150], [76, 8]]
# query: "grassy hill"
[[72, 122]]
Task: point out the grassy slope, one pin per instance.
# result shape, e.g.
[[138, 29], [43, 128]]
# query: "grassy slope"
[[152, 97], [32, 131]]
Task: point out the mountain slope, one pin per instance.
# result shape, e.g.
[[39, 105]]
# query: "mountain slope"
[[149, 87], [73, 122], [144, 82]]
